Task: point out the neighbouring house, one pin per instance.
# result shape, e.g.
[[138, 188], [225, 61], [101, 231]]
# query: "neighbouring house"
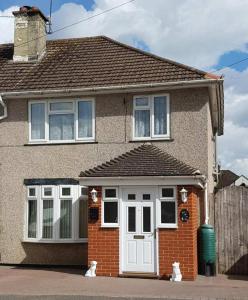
[[229, 178], [107, 153]]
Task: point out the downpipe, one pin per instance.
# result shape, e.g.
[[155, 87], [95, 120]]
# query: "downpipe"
[[206, 203]]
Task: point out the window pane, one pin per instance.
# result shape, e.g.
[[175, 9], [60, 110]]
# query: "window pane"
[[131, 219], [160, 115], [110, 212], [84, 192], [66, 191], [110, 193], [83, 219], [47, 229], [31, 192], [141, 102], [56, 106], [131, 197], [142, 123], [65, 219], [146, 219], [38, 121], [47, 191], [85, 119], [146, 197], [32, 218], [61, 127], [167, 193], [168, 212]]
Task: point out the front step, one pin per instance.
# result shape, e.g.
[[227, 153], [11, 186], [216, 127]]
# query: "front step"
[[139, 275]]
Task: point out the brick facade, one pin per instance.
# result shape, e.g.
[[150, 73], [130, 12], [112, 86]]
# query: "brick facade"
[[181, 244], [174, 244], [103, 243]]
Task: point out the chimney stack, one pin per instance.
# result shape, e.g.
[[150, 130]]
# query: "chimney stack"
[[30, 34]]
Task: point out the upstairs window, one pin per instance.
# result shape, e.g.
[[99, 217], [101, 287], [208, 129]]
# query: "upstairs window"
[[151, 117], [61, 121]]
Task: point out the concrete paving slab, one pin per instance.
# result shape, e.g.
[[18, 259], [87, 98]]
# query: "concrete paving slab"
[[33, 283]]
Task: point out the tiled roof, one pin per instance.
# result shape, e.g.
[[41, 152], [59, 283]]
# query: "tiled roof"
[[89, 62], [226, 178], [146, 160]]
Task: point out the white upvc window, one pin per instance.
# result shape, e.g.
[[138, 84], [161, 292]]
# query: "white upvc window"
[[32, 213], [61, 121], [151, 117], [110, 207], [54, 214], [83, 212], [167, 207]]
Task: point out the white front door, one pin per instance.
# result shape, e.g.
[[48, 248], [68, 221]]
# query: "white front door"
[[138, 231]]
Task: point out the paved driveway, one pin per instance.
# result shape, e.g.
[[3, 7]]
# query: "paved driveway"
[[70, 284]]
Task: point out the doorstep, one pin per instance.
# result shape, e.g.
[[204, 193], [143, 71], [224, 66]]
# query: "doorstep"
[[139, 275]]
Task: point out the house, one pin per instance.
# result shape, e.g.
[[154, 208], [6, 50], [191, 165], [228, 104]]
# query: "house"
[[229, 178], [107, 153]]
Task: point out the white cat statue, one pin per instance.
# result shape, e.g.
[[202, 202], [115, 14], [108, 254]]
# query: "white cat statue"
[[176, 275], [92, 270]]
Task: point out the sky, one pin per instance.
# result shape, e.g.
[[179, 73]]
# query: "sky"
[[204, 34]]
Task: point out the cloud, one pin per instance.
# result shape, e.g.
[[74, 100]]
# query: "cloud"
[[7, 25], [188, 31], [233, 146]]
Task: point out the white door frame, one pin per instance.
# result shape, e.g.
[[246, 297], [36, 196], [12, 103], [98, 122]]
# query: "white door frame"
[[121, 229]]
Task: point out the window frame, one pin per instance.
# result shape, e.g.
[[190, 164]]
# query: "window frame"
[[36, 197], [111, 200], [150, 107], [167, 199], [56, 197], [74, 111], [30, 121], [84, 198]]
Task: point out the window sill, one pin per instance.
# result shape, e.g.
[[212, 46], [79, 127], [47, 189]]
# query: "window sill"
[[59, 143], [152, 140], [167, 226], [36, 241], [110, 226]]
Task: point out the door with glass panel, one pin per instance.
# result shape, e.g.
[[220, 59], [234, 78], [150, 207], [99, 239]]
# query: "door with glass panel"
[[138, 231]]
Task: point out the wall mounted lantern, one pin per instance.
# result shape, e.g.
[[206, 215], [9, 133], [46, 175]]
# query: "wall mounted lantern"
[[94, 195], [184, 195]]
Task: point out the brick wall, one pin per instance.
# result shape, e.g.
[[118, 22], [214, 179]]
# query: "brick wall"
[[174, 244], [103, 243], [181, 244]]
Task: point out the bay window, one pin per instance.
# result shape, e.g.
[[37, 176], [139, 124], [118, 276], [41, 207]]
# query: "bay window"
[[167, 210], [151, 117], [55, 214], [61, 121]]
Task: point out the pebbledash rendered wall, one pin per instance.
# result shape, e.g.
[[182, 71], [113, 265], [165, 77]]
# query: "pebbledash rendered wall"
[[189, 143], [174, 244]]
